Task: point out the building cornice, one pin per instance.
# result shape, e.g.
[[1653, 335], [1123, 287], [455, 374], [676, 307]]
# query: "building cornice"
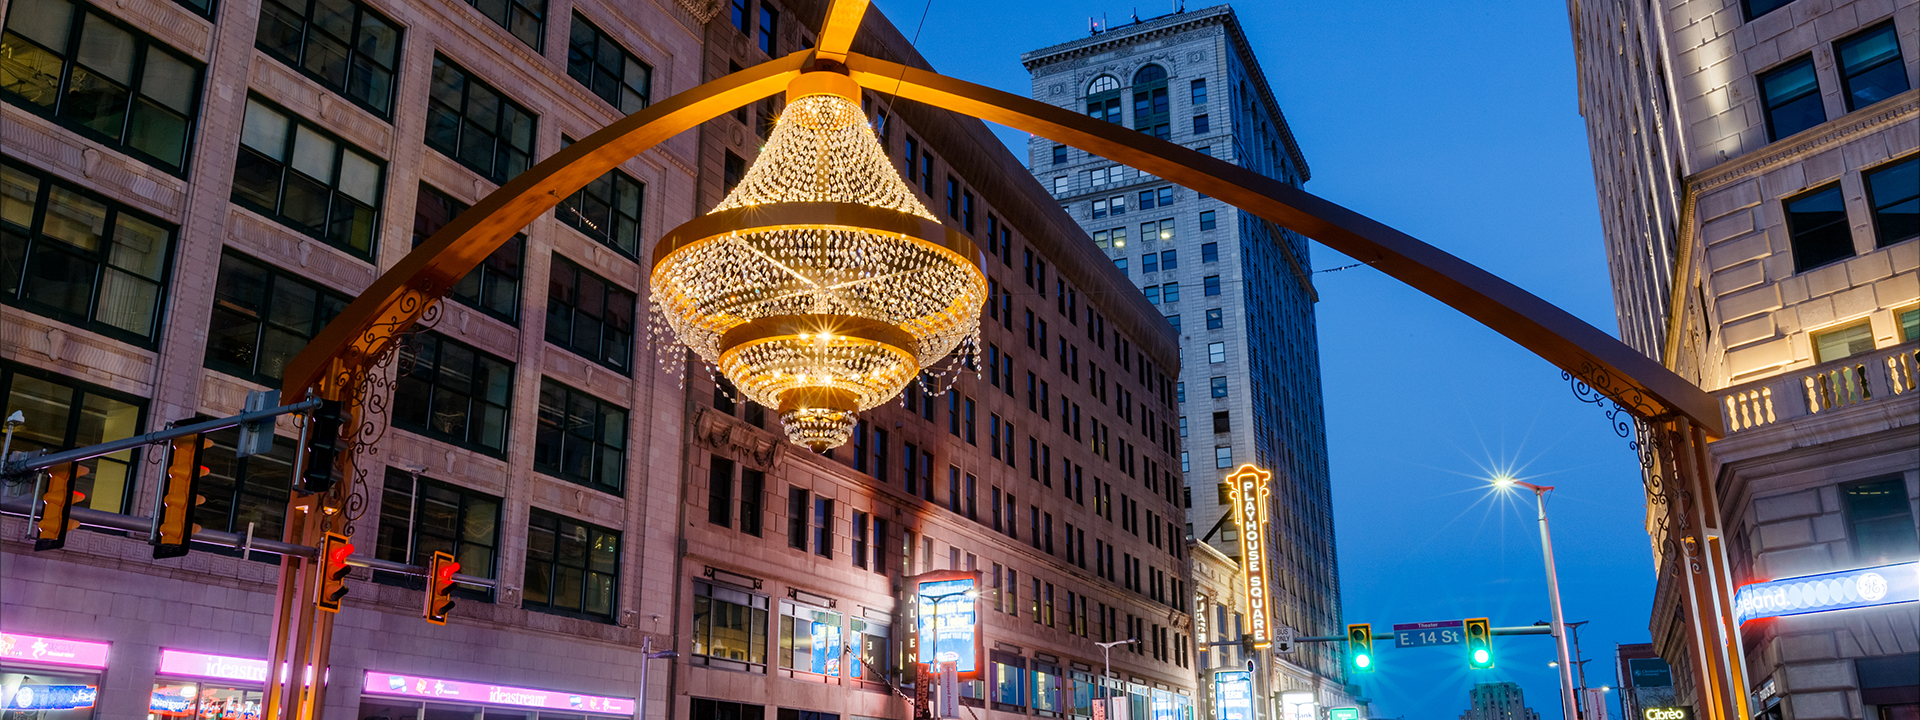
[[1870, 119]]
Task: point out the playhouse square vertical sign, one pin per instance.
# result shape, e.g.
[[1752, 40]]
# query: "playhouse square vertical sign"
[[1249, 486]]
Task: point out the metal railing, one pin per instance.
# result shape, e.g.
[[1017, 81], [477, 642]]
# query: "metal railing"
[[1828, 387]]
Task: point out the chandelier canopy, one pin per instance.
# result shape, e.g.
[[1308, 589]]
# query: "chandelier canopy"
[[820, 286]]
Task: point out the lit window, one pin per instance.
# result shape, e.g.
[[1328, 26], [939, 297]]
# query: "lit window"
[[729, 630], [75, 414], [1848, 341], [1909, 320], [1223, 456], [1216, 352], [1792, 95]]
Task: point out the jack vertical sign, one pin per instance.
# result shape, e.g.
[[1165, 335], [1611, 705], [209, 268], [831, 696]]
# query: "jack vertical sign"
[[1249, 485]]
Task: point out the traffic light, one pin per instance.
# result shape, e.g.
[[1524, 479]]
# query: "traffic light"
[[440, 587], [323, 446], [56, 509], [1479, 644], [334, 550], [1360, 647], [180, 497]]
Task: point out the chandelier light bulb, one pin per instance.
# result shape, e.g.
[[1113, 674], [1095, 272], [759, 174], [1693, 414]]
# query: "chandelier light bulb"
[[820, 286]]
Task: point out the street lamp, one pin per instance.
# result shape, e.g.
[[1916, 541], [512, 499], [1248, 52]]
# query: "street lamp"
[[1567, 706], [1106, 653], [647, 653], [937, 599]]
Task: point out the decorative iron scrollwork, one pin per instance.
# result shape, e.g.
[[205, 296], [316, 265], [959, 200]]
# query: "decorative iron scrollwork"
[[367, 387]]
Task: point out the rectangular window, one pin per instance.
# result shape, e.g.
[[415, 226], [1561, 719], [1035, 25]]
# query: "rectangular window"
[[1817, 228], [1201, 125], [1215, 319], [599, 62], [953, 197], [1221, 422], [1171, 291], [720, 492], [859, 535], [526, 19], [589, 315], [1216, 352], [453, 392], [913, 149], [1223, 456], [1218, 387], [580, 438], [1150, 263], [739, 15], [1153, 293], [1832, 345], [729, 630], [1199, 88], [493, 287], [64, 414], [1894, 192], [1206, 220], [86, 71], [769, 30], [1792, 96], [880, 540], [1870, 67], [419, 517], [1059, 154], [823, 527], [966, 210], [573, 568], [953, 413], [1169, 259], [799, 503], [345, 46], [1121, 263], [308, 179], [609, 210], [80, 258], [262, 317], [1209, 252], [810, 643], [736, 168], [472, 122], [1880, 521], [1211, 285], [752, 484], [926, 173]]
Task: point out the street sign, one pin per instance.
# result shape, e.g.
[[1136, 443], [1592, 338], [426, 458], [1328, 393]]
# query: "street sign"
[[1444, 632], [1283, 639], [1343, 714]]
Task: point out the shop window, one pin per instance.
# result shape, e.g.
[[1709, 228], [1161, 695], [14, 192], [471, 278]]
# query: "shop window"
[[1869, 66], [421, 516], [1855, 339], [1009, 678], [193, 699], [1817, 228], [45, 695], [475, 124], [262, 317], [705, 709], [580, 438], [1894, 192], [63, 414], [729, 628], [798, 714], [1880, 521], [809, 640], [74, 64], [872, 659], [573, 568], [493, 287], [453, 392], [589, 315], [80, 258], [308, 179], [345, 46], [606, 68]]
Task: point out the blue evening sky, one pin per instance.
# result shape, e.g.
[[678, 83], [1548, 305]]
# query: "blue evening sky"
[[1458, 124]]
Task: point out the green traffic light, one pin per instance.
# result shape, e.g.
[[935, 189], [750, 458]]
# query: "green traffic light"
[[1480, 655], [1362, 661]]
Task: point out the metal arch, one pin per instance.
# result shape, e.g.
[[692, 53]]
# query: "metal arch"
[[1638, 383], [401, 294]]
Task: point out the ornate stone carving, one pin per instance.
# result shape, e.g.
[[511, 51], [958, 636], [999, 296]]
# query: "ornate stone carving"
[[727, 435]]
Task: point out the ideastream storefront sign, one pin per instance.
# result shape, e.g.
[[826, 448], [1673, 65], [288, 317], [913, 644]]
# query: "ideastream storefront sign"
[[202, 665], [1249, 488], [409, 686], [1844, 590]]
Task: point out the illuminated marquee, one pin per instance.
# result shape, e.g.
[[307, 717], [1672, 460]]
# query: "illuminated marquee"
[[1249, 487], [942, 603], [1844, 590]]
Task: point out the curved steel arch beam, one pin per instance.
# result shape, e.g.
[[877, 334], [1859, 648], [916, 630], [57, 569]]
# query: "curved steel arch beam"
[[401, 294], [1635, 381]]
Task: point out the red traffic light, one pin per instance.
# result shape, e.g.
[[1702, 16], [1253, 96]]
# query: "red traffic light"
[[56, 507], [334, 551], [440, 572]]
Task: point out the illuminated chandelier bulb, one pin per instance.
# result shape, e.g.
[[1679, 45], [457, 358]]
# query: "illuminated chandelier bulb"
[[820, 286]]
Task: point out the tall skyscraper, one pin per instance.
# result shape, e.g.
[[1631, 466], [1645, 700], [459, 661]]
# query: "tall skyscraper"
[[1759, 188], [1237, 289], [1497, 701]]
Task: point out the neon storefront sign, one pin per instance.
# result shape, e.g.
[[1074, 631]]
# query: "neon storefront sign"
[[52, 697], [1249, 492], [1844, 590], [53, 651], [193, 664], [410, 686]]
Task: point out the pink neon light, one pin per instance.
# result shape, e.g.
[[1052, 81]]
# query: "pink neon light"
[[379, 683], [53, 651], [193, 664]]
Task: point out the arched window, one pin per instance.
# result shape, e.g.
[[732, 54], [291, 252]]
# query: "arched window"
[[1103, 99], [1150, 105]]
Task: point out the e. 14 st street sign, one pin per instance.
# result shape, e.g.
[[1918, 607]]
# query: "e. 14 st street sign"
[[1444, 632]]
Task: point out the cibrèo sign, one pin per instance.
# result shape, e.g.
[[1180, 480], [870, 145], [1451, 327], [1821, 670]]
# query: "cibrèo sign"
[[1666, 713], [1249, 492]]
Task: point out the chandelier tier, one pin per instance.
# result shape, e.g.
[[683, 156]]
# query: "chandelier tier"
[[820, 286]]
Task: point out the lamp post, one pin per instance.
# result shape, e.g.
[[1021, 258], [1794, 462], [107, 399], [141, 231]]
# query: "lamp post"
[[647, 653], [1568, 707], [937, 599], [1106, 654]]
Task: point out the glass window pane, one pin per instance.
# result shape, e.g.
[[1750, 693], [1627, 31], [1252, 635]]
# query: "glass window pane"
[[265, 130], [75, 219], [106, 49], [43, 21], [169, 81], [360, 177], [313, 154]]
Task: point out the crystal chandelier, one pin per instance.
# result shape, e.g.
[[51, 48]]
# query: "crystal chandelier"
[[820, 286]]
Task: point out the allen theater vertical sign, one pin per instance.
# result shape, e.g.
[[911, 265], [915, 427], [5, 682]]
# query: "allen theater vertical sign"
[[1249, 491]]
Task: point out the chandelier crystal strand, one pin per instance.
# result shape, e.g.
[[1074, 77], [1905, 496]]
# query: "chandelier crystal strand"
[[820, 286]]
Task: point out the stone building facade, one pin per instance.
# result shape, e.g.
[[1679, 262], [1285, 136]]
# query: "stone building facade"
[[286, 152], [1237, 289], [1757, 165], [1497, 701]]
